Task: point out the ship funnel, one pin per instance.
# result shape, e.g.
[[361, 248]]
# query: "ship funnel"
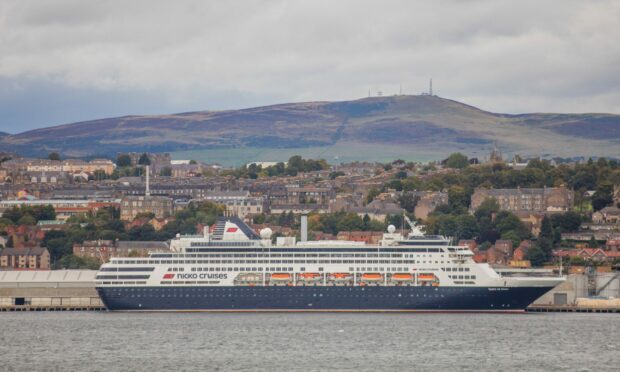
[[304, 228]]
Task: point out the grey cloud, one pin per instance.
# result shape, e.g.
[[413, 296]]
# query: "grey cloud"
[[503, 56]]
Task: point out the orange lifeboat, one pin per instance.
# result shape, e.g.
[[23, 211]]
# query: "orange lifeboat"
[[426, 277], [402, 277], [341, 276], [281, 277], [309, 275], [372, 277]]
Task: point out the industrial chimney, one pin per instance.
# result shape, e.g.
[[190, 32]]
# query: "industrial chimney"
[[147, 192], [304, 228]]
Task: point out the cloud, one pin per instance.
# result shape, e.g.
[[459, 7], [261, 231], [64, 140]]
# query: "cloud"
[[502, 56]]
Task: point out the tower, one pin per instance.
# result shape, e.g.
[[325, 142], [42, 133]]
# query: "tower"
[[430, 88]]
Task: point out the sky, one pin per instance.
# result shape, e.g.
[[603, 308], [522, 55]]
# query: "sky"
[[65, 61]]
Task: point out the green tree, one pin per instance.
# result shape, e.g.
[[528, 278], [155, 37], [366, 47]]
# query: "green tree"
[[457, 160], [593, 243], [506, 221], [512, 236], [536, 256], [123, 160], [459, 198], [408, 201], [74, 262], [487, 208], [372, 194], [467, 227], [546, 228], [144, 159], [27, 219], [54, 156], [603, 196], [5, 222]]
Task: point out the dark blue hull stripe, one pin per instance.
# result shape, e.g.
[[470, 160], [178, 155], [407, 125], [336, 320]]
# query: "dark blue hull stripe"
[[320, 298]]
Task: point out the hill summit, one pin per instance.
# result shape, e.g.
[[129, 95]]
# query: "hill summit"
[[408, 124]]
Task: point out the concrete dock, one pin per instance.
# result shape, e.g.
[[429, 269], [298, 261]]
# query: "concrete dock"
[[50, 290]]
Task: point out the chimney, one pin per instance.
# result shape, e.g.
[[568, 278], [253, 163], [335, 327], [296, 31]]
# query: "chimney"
[[148, 189], [304, 228]]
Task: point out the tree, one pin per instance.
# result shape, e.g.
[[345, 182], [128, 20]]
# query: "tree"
[[54, 156], [457, 161], [459, 198], [408, 201], [123, 160], [506, 221], [193, 162], [144, 159], [401, 175], [27, 220], [467, 227], [603, 196], [334, 175], [74, 262], [487, 208], [512, 236], [536, 256], [5, 222], [593, 243], [567, 222], [546, 229], [372, 194]]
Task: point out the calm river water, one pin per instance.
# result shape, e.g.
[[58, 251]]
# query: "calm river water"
[[77, 341]]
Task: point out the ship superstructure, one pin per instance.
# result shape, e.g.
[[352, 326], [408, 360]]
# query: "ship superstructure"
[[236, 269]]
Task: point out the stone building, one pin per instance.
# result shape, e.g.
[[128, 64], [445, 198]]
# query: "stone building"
[[548, 199], [500, 253], [103, 250], [428, 201], [36, 258], [160, 206], [607, 215], [158, 160]]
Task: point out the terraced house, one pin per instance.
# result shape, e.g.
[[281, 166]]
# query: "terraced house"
[[545, 200]]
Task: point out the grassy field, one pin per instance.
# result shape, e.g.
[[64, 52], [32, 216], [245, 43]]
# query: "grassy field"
[[340, 153]]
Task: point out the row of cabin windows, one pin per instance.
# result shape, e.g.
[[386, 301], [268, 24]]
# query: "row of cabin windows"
[[295, 255], [385, 262], [462, 276], [460, 269]]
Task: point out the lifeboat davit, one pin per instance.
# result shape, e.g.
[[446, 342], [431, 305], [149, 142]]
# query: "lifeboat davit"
[[372, 277], [402, 277], [281, 277]]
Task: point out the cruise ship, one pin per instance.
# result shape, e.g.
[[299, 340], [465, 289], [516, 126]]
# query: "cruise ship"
[[235, 269]]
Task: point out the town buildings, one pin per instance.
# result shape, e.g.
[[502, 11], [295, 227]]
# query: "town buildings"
[[35, 258], [64, 208], [103, 250], [546, 200], [237, 203], [159, 206], [428, 201]]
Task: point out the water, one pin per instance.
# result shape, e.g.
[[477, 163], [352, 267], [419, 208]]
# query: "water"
[[308, 342]]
